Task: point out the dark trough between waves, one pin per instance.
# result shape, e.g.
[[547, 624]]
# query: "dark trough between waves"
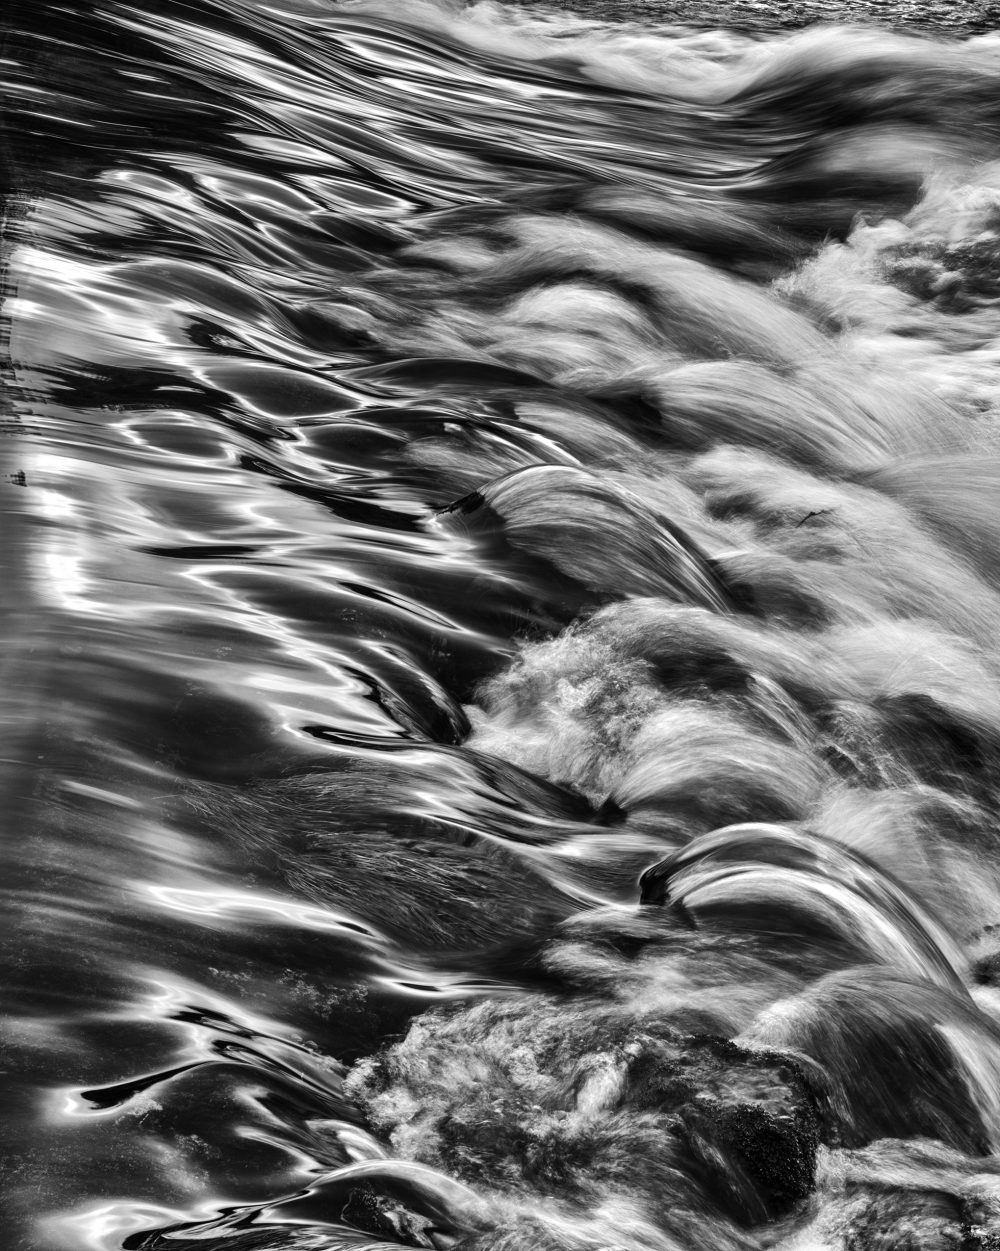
[[500, 686]]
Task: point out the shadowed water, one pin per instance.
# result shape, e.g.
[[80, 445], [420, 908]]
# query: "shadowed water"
[[500, 693]]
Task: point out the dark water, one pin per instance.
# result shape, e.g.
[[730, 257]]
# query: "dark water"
[[500, 688]]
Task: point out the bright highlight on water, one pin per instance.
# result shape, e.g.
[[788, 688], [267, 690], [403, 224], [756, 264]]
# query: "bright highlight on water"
[[501, 688]]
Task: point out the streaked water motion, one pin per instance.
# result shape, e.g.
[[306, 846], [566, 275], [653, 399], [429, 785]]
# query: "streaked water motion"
[[501, 697]]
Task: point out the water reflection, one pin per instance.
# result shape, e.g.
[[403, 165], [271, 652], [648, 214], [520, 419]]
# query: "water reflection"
[[458, 461]]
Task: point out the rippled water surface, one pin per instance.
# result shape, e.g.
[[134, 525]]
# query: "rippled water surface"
[[500, 689]]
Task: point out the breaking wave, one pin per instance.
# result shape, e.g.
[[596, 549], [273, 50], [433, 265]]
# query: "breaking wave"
[[503, 696]]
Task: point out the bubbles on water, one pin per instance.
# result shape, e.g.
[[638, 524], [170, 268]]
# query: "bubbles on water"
[[500, 454]]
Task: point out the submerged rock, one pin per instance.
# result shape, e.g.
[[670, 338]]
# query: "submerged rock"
[[552, 1099], [897, 1195]]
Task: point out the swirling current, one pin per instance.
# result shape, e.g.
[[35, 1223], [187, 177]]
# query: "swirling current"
[[500, 675]]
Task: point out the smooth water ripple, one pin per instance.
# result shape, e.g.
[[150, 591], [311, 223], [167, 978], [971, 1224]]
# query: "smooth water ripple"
[[500, 737]]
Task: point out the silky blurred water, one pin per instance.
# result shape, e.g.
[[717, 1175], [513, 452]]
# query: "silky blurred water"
[[457, 460]]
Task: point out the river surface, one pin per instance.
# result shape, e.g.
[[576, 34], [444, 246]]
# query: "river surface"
[[499, 680]]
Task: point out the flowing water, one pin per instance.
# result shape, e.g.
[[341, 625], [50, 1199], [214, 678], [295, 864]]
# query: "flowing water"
[[501, 569]]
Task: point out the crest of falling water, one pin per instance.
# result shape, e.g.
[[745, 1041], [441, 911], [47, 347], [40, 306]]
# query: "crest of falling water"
[[501, 698]]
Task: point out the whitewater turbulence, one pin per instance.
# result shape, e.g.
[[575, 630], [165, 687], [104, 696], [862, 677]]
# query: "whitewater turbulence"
[[605, 419]]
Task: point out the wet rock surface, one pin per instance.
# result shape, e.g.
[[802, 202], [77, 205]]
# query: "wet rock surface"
[[686, 1122], [375, 1213], [903, 1195]]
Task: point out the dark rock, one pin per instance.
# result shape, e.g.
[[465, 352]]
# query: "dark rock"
[[377, 1214], [555, 1099]]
